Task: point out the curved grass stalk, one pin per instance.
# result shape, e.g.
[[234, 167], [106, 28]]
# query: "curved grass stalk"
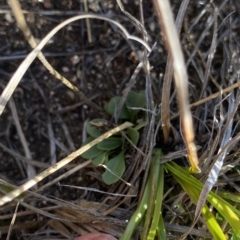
[[16, 8], [14, 81]]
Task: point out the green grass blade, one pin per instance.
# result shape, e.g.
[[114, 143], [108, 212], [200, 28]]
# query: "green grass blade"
[[211, 221], [161, 230], [226, 210], [138, 214], [229, 212], [155, 226], [229, 196], [153, 178]]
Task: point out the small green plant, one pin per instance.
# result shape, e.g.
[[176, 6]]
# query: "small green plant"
[[110, 152]]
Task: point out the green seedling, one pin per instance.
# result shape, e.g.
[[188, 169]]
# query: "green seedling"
[[110, 152], [132, 106]]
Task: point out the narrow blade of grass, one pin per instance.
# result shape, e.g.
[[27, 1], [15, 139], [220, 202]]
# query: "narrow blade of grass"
[[153, 178], [229, 212], [16, 192], [210, 220], [157, 223], [138, 215], [161, 230]]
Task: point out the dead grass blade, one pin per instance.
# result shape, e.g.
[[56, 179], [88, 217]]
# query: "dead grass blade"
[[12, 222], [165, 17], [15, 193], [14, 81], [48, 214], [213, 143], [88, 24], [16, 8], [56, 203], [26, 226], [60, 228], [133, 19], [99, 191], [211, 53], [131, 83], [65, 175], [217, 165], [53, 155], [31, 172], [24, 159], [165, 110], [66, 133], [215, 95]]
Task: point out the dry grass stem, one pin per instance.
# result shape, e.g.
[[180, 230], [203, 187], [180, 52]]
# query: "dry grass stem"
[[14, 4], [164, 13], [17, 76], [31, 172], [165, 110], [15, 193], [12, 222]]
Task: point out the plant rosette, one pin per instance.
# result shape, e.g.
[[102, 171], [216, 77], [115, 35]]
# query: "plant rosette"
[[111, 151]]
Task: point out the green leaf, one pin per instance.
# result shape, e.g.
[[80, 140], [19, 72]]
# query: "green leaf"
[[140, 125], [133, 135], [210, 219], [115, 165], [92, 152], [229, 196], [110, 143], [92, 128], [100, 159], [111, 106], [135, 100]]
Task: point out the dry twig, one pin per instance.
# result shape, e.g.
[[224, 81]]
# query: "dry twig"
[[165, 17]]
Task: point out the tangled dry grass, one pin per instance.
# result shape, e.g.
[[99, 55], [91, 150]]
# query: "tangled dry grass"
[[44, 120]]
